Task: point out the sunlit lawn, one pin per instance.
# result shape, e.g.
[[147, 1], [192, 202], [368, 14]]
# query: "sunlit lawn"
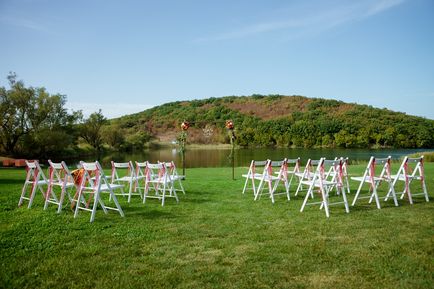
[[217, 238]]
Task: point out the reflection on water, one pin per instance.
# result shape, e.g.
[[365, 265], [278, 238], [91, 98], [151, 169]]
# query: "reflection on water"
[[221, 157]]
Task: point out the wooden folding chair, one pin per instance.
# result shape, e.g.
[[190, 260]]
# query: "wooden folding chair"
[[59, 176], [34, 177], [374, 180], [319, 181], [410, 169], [125, 173], [174, 176], [274, 181], [159, 180], [254, 176], [306, 175], [93, 183]]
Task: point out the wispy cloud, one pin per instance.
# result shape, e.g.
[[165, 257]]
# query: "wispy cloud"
[[380, 6], [109, 110], [310, 20], [23, 23]]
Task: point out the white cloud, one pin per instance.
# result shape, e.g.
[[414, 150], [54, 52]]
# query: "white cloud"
[[109, 110], [310, 20]]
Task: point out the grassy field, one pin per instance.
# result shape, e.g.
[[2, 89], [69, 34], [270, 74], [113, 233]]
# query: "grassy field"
[[217, 238]]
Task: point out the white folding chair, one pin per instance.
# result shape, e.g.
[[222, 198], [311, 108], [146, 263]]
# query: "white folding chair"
[[59, 176], [93, 183], [333, 174], [291, 171], [374, 180], [318, 181], [159, 180], [34, 177], [410, 169], [175, 177], [253, 175], [274, 181], [125, 173], [306, 175]]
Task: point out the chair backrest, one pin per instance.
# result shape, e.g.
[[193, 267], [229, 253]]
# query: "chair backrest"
[[171, 167], [296, 163], [156, 171], [334, 169], [319, 173], [411, 167], [93, 174], [59, 172], [385, 164], [121, 170], [34, 171], [257, 164], [372, 168], [309, 168], [141, 169], [282, 165]]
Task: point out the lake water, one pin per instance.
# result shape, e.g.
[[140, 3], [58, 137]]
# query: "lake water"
[[206, 157]]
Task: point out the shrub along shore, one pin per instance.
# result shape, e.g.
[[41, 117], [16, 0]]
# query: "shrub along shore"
[[215, 237]]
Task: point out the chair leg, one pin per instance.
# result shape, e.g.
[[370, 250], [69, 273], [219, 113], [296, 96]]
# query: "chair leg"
[[425, 191], [306, 198], [357, 194], [95, 205], [344, 196], [32, 195], [325, 201], [374, 193]]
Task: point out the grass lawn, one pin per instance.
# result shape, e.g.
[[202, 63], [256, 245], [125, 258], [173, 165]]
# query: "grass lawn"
[[217, 238]]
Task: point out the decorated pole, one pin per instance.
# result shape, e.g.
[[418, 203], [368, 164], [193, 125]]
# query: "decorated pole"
[[182, 140], [230, 127]]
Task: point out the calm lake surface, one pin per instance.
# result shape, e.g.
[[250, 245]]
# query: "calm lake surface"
[[212, 157]]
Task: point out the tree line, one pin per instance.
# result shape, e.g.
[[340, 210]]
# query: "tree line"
[[36, 124]]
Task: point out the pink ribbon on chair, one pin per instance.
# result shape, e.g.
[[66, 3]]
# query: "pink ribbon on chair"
[[422, 172], [50, 184], [372, 174]]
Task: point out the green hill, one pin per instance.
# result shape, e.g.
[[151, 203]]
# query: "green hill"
[[277, 120]]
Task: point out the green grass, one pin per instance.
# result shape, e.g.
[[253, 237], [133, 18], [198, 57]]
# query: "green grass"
[[216, 238]]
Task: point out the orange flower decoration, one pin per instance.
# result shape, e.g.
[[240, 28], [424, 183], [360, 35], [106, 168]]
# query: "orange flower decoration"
[[185, 125], [229, 124]]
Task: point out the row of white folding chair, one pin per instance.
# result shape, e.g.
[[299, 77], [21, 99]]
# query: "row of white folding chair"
[[318, 181], [410, 169], [331, 175], [269, 176], [405, 173], [159, 178], [124, 172], [92, 182]]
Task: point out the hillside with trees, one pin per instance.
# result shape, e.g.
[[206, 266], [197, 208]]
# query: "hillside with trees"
[[36, 124], [286, 121]]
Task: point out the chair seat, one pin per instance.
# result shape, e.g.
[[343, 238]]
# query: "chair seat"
[[255, 176], [402, 177], [60, 184], [126, 179], [368, 179], [41, 182], [307, 175], [317, 183], [104, 187]]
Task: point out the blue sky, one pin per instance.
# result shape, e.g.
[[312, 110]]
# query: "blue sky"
[[126, 56]]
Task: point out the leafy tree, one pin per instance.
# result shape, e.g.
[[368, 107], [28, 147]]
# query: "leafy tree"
[[91, 130], [32, 120]]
